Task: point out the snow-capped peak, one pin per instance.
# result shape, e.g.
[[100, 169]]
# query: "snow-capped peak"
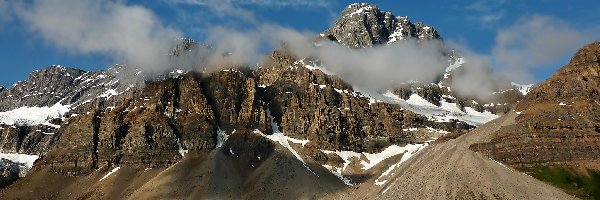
[[524, 89]]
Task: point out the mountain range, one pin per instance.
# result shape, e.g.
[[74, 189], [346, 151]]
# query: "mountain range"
[[289, 128]]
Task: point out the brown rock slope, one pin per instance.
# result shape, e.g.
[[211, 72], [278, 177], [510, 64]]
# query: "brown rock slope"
[[247, 166], [450, 170], [559, 121]]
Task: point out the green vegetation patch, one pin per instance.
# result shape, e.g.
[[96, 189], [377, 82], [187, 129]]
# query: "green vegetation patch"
[[582, 186]]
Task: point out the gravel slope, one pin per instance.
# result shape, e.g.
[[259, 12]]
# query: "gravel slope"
[[451, 171]]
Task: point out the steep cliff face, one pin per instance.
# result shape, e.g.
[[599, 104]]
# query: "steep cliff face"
[[559, 119], [35, 140], [194, 112], [311, 105]]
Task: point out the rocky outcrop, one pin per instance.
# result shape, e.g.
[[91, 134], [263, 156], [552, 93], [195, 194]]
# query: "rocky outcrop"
[[559, 118], [28, 139], [9, 172], [364, 25], [151, 130]]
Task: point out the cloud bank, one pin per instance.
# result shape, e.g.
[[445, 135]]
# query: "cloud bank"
[[380, 67]]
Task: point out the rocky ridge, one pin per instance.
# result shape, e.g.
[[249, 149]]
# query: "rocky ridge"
[[559, 119]]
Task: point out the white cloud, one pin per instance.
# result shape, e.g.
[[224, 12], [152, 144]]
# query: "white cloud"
[[486, 12], [128, 32], [268, 3], [535, 43]]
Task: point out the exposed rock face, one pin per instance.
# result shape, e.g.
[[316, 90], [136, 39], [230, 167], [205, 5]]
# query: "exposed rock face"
[[68, 86], [185, 114], [364, 25], [28, 139], [150, 130], [54, 81], [9, 172], [559, 120], [311, 105]]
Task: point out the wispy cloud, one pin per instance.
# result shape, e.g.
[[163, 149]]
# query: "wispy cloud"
[[486, 12], [4, 11], [268, 3], [129, 33], [535, 43]]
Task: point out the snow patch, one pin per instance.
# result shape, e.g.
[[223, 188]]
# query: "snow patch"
[[221, 137], [283, 140], [109, 173], [181, 150], [26, 159], [337, 171], [457, 63], [34, 115], [312, 66], [408, 151], [109, 93], [524, 89], [502, 165]]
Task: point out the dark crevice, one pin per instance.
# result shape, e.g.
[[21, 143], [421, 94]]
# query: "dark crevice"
[[175, 94], [120, 135], [95, 138], [175, 97], [204, 84], [177, 134], [148, 137], [274, 104], [23, 131]]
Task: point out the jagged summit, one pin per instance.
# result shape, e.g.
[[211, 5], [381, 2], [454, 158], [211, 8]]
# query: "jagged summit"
[[364, 25]]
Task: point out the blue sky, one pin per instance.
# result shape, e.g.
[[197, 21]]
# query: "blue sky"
[[473, 25]]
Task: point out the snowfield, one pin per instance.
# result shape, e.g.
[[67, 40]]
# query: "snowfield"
[[33, 115], [26, 159]]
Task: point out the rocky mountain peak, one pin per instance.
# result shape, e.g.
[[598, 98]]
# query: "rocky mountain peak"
[[588, 53], [364, 25], [584, 62], [184, 44], [55, 72], [579, 79]]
